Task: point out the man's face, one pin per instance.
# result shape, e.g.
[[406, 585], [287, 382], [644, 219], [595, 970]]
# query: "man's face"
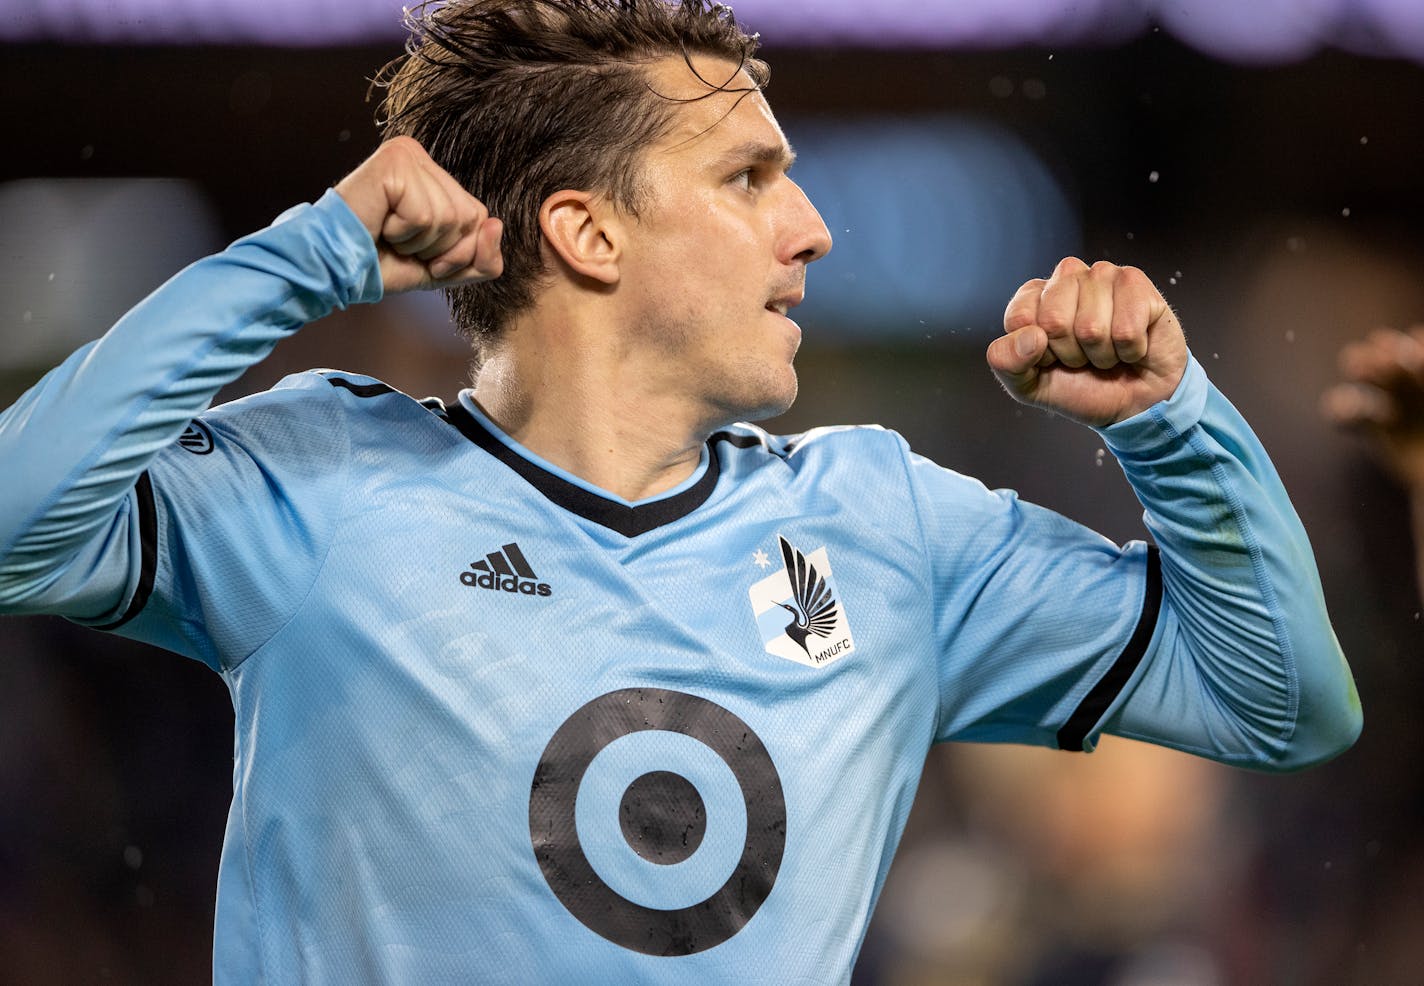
[[718, 253]]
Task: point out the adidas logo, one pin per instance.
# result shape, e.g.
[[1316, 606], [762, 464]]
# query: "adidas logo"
[[505, 570], [196, 438]]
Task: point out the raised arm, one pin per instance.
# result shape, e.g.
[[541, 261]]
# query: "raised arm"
[[75, 447], [1243, 665]]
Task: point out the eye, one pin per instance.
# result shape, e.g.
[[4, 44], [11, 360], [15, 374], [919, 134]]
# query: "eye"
[[742, 179]]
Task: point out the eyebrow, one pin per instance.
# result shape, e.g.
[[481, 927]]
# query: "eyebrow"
[[759, 153]]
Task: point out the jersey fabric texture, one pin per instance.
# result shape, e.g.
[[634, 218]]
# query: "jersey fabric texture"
[[493, 724]]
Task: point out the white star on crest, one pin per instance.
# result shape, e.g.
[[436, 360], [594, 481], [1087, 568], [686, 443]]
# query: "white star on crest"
[[761, 559]]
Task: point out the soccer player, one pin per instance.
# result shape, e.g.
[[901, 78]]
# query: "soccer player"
[[578, 678]]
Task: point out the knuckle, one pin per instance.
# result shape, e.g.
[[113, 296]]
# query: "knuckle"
[[1134, 277], [1018, 318], [1090, 330], [1124, 331], [1055, 323], [1069, 266], [399, 147], [1103, 269]]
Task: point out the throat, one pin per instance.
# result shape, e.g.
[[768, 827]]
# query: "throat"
[[621, 459]]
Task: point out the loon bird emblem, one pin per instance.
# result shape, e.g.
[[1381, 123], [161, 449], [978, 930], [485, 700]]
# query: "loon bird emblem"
[[814, 610], [806, 588]]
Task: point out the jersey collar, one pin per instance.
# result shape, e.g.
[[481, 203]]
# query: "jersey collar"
[[568, 492]]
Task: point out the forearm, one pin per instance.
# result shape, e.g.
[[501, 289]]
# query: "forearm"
[[74, 445], [1245, 668]]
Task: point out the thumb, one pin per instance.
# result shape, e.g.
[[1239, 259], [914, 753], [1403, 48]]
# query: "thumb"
[[1014, 358]]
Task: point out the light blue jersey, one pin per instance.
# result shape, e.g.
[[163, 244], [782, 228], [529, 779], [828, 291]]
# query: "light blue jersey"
[[495, 725]]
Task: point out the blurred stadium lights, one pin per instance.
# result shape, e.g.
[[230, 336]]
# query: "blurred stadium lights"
[[81, 252], [936, 220], [1260, 31], [1237, 30]]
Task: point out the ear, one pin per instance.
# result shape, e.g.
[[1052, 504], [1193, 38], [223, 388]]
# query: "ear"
[[583, 229]]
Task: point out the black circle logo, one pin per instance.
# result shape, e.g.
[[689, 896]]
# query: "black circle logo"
[[661, 815], [196, 438]]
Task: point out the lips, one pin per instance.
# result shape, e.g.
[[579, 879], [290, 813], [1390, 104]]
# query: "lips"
[[783, 303]]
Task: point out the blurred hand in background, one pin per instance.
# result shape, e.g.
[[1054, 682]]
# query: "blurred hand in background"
[[1382, 397]]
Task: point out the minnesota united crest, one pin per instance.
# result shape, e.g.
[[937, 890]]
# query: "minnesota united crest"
[[798, 611]]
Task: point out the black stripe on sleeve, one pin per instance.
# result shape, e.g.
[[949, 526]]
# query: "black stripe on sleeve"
[[148, 548], [1096, 702]]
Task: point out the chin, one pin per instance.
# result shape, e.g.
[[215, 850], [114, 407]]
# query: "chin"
[[772, 401]]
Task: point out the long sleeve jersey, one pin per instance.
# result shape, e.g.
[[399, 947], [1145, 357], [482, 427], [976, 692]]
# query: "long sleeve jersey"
[[496, 724]]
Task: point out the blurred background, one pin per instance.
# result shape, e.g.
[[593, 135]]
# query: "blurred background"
[[1262, 162]]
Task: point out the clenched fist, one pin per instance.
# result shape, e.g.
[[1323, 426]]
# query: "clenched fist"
[[429, 232], [1096, 344]]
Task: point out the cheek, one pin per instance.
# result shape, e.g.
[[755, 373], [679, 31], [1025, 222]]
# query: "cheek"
[[713, 233], [706, 262]]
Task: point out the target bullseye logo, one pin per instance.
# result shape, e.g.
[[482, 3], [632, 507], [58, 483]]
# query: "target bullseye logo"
[[662, 817]]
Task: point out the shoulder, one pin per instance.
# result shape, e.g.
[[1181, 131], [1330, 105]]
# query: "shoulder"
[[324, 393], [858, 457], [877, 467], [318, 414], [817, 443]]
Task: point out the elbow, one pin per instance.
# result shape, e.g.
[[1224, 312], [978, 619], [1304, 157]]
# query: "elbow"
[[1324, 730], [1323, 745], [1328, 715]]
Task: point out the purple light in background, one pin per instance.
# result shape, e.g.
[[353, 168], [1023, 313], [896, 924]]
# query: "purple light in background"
[[917, 23], [1239, 30], [1398, 24], [274, 22], [1258, 31]]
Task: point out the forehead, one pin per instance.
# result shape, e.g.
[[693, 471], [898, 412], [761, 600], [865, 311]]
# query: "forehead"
[[705, 120]]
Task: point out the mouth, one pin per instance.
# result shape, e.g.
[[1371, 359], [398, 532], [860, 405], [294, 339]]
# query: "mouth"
[[784, 303]]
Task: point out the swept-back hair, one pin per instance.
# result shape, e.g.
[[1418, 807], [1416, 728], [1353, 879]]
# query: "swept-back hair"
[[518, 99]]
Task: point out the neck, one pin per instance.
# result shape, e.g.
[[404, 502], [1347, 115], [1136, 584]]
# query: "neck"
[[592, 411]]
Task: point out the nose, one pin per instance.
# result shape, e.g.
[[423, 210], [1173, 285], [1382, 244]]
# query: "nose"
[[808, 239]]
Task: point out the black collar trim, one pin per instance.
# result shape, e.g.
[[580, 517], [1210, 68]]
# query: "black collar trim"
[[625, 520]]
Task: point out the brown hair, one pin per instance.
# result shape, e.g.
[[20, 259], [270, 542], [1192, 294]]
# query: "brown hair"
[[518, 99]]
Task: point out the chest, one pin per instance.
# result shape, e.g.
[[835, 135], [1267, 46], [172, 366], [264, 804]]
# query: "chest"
[[541, 699]]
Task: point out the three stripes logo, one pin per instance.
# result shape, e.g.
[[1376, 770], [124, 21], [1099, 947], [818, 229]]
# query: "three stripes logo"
[[505, 570]]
